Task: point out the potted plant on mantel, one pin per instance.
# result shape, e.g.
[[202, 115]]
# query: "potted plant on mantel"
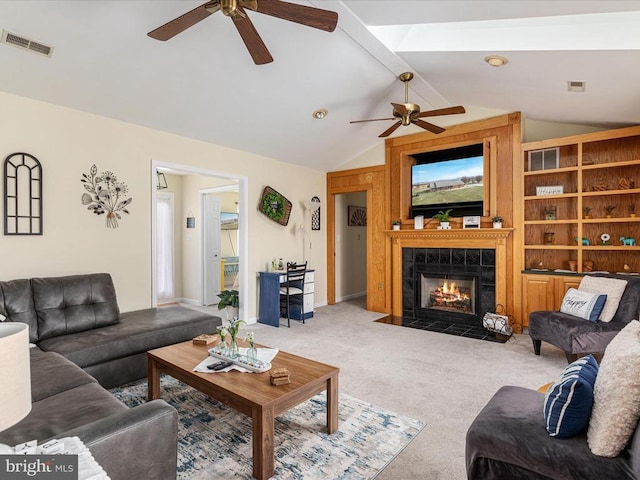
[[497, 221], [229, 300], [444, 217], [395, 224]]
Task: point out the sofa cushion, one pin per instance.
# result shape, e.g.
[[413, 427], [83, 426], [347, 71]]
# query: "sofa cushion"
[[136, 333], [616, 406], [583, 304], [61, 412], [16, 304], [613, 288], [52, 373], [508, 440], [74, 303], [568, 402]]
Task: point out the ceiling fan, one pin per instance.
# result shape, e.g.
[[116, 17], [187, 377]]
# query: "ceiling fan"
[[409, 113], [235, 9]]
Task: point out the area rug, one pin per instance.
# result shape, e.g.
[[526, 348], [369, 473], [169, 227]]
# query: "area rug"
[[214, 441]]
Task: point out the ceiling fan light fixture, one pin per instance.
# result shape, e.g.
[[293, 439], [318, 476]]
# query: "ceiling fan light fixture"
[[496, 60], [320, 113]]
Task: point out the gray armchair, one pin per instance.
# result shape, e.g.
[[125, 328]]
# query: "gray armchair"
[[576, 336]]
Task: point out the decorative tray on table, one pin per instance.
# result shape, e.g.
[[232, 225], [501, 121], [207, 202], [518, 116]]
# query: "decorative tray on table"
[[257, 366]]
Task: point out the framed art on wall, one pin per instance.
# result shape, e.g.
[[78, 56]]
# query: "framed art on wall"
[[357, 216], [275, 206]]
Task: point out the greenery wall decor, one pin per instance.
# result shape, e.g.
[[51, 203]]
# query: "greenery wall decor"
[[275, 206]]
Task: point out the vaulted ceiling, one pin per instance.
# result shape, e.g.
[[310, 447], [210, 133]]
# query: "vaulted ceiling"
[[203, 84]]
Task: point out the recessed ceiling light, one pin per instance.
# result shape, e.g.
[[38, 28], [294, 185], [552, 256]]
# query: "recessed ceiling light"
[[320, 113], [496, 60]]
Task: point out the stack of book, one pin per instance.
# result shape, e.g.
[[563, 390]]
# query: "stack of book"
[[280, 376]]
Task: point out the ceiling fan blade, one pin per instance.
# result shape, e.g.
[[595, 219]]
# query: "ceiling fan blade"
[[180, 24], [400, 108], [311, 17], [443, 111], [257, 49], [390, 130], [372, 120], [428, 126]]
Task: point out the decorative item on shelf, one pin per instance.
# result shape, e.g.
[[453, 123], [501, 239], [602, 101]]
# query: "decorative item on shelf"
[[585, 241], [472, 221], [497, 221], [275, 206], [632, 210], [549, 190], [626, 183], [280, 264], [548, 238], [609, 209], [586, 211], [395, 224], [573, 265], [106, 195], [604, 239], [587, 266], [356, 216], [418, 222], [628, 241], [626, 267], [600, 185], [22, 195], [443, 217], [550, 212]]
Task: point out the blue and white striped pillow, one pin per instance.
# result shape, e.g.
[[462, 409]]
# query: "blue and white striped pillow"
[[568, 402]]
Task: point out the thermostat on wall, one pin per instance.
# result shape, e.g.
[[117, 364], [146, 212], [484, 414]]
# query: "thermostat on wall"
[[471, 222]]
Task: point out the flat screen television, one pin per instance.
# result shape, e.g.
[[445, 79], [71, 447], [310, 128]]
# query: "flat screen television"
[[448, 179], [228, 221]]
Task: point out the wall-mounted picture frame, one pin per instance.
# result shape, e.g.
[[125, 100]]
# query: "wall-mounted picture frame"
[[549, 190], [356, 216], [228, 221], [545, 159]]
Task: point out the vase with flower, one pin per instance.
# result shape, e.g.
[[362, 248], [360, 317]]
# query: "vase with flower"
[[252, 353], [221, 347], [233, 328]]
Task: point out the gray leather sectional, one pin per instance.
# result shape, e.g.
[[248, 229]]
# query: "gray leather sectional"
[[85, 345]]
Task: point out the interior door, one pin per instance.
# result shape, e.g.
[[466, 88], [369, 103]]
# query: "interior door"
[[211, 249]]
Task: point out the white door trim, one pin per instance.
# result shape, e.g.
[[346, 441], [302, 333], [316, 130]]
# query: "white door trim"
[[243, 247]]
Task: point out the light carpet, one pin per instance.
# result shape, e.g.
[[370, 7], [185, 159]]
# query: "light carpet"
[[214, 441]]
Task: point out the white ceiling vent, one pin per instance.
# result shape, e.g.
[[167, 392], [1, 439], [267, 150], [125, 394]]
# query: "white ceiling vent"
[[26, 44], [575, 86]]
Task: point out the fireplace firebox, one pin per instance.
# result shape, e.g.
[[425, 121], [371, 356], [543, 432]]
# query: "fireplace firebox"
[[452, 284]]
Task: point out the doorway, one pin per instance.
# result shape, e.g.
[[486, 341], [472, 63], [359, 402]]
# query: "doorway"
[[351, 246], [189, 222]]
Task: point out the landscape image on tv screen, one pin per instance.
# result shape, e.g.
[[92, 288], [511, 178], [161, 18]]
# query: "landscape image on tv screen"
[[448, 182]]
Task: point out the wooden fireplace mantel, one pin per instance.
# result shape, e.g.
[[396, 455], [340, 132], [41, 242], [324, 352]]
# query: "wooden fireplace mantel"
[[491, 238]]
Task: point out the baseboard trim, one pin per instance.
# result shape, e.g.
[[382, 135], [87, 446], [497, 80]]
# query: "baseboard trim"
[[351, 296]]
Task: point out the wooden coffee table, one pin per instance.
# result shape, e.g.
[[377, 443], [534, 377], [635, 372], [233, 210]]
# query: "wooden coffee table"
[[250, 393]]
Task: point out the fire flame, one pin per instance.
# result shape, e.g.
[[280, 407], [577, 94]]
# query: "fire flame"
[[451, 292]]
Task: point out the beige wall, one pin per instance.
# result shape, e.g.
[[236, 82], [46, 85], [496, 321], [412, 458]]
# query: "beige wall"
[[67, 142], [351, 249]]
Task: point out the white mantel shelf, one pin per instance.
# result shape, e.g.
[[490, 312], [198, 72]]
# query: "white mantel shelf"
[[493, 238]]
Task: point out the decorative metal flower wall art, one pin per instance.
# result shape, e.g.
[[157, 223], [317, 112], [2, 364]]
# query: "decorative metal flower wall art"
[[105, 195]]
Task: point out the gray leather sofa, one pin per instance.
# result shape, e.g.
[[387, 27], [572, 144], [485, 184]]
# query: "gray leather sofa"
[[84, 345]]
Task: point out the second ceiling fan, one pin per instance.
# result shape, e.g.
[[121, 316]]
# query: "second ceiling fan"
[[235, 9], [408, 113]]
